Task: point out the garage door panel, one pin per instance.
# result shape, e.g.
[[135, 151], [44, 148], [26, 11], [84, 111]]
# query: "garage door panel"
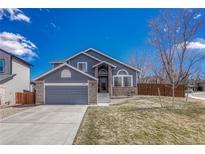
[[66, 94]]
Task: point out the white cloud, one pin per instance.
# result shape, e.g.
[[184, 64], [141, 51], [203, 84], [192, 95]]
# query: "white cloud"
[[53, 25], [197, 16], [197, 44], [18, 45], [14, 14]]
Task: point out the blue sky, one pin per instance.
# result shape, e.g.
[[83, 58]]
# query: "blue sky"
[[59, 33]]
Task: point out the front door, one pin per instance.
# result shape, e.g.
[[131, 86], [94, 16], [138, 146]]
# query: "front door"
[[103, 84]]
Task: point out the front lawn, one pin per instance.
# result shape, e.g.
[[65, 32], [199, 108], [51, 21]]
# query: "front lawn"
[[144, 120]]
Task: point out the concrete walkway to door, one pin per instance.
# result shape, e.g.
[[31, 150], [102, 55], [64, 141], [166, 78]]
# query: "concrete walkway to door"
[[45, 124]]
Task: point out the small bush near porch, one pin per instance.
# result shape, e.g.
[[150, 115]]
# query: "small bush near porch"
[[144, 120]]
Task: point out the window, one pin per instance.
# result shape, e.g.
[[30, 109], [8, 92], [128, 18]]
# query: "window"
[[2, 63], [127, 81], [65, 74], [122, 79], [122, 72], [82, 66], [117, 81], [103, 72]]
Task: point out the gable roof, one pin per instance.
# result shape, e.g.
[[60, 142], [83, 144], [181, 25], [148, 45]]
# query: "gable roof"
[[112, 58], [104, 62], [64, 64], [82, 52], [12, 55]]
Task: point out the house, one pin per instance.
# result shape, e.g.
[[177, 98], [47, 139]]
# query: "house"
[[196, 85], [14, 77], [82, 78]]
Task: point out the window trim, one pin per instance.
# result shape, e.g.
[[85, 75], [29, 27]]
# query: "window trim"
[[86, 66], [122, 80], [122, 70], [63, 76], [3, 66]]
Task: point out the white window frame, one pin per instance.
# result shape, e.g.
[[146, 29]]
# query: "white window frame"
[[86, 66], [122, 70], [122, 76], [63, 75]]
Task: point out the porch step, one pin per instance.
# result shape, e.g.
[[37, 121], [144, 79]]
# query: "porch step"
[[103, 98]]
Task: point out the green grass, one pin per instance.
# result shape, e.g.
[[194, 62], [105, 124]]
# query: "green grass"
[[129, 122]]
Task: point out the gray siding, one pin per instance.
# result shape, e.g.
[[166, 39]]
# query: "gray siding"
[[56, 64], [55, 77], [84, 58], [119, 66], [7, 58], [66, 95]]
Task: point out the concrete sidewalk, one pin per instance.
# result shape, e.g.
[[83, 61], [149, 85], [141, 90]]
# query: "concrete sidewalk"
[[46, 124], [198, 95]]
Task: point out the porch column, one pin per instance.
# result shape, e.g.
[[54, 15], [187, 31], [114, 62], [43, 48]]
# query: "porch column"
[[39, 92], [110, 80], [96, 72]]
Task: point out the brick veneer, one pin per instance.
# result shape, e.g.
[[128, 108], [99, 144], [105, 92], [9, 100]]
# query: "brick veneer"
[[124, 91], [110, 80], [39, 87], [92, 92]]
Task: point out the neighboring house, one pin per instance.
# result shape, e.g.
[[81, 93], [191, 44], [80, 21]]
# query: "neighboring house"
[[196, 85], [14, 77], [82, 77]]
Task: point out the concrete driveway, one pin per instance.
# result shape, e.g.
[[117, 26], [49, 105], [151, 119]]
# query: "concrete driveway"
[[45, 124]]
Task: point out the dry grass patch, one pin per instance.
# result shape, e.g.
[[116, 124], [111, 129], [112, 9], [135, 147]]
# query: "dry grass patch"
[[132, 123]]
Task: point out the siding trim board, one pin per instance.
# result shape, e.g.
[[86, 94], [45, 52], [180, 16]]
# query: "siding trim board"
[[66, 84], [104, 62]]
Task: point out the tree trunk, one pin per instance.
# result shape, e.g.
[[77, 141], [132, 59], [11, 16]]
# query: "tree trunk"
[[187, 96], [173, 92], [159, 94]]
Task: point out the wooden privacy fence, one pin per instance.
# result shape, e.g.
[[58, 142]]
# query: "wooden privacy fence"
[[25, 98], [164, 89]]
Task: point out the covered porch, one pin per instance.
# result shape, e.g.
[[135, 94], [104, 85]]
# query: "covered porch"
[[103, 71]]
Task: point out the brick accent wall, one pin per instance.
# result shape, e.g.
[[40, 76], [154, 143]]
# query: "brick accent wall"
[[124, 91], [92, 92], [110, 80], [39, 87], [96, 72]]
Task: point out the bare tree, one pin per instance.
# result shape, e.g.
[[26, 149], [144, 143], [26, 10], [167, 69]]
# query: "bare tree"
[[171, 34], [142, 61]]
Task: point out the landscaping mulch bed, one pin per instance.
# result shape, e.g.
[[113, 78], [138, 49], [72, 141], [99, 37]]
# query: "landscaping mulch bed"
[[6, 111]]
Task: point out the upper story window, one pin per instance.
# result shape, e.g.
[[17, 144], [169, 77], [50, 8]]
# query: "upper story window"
[[82, 66], [65, 74], [2, 63]]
